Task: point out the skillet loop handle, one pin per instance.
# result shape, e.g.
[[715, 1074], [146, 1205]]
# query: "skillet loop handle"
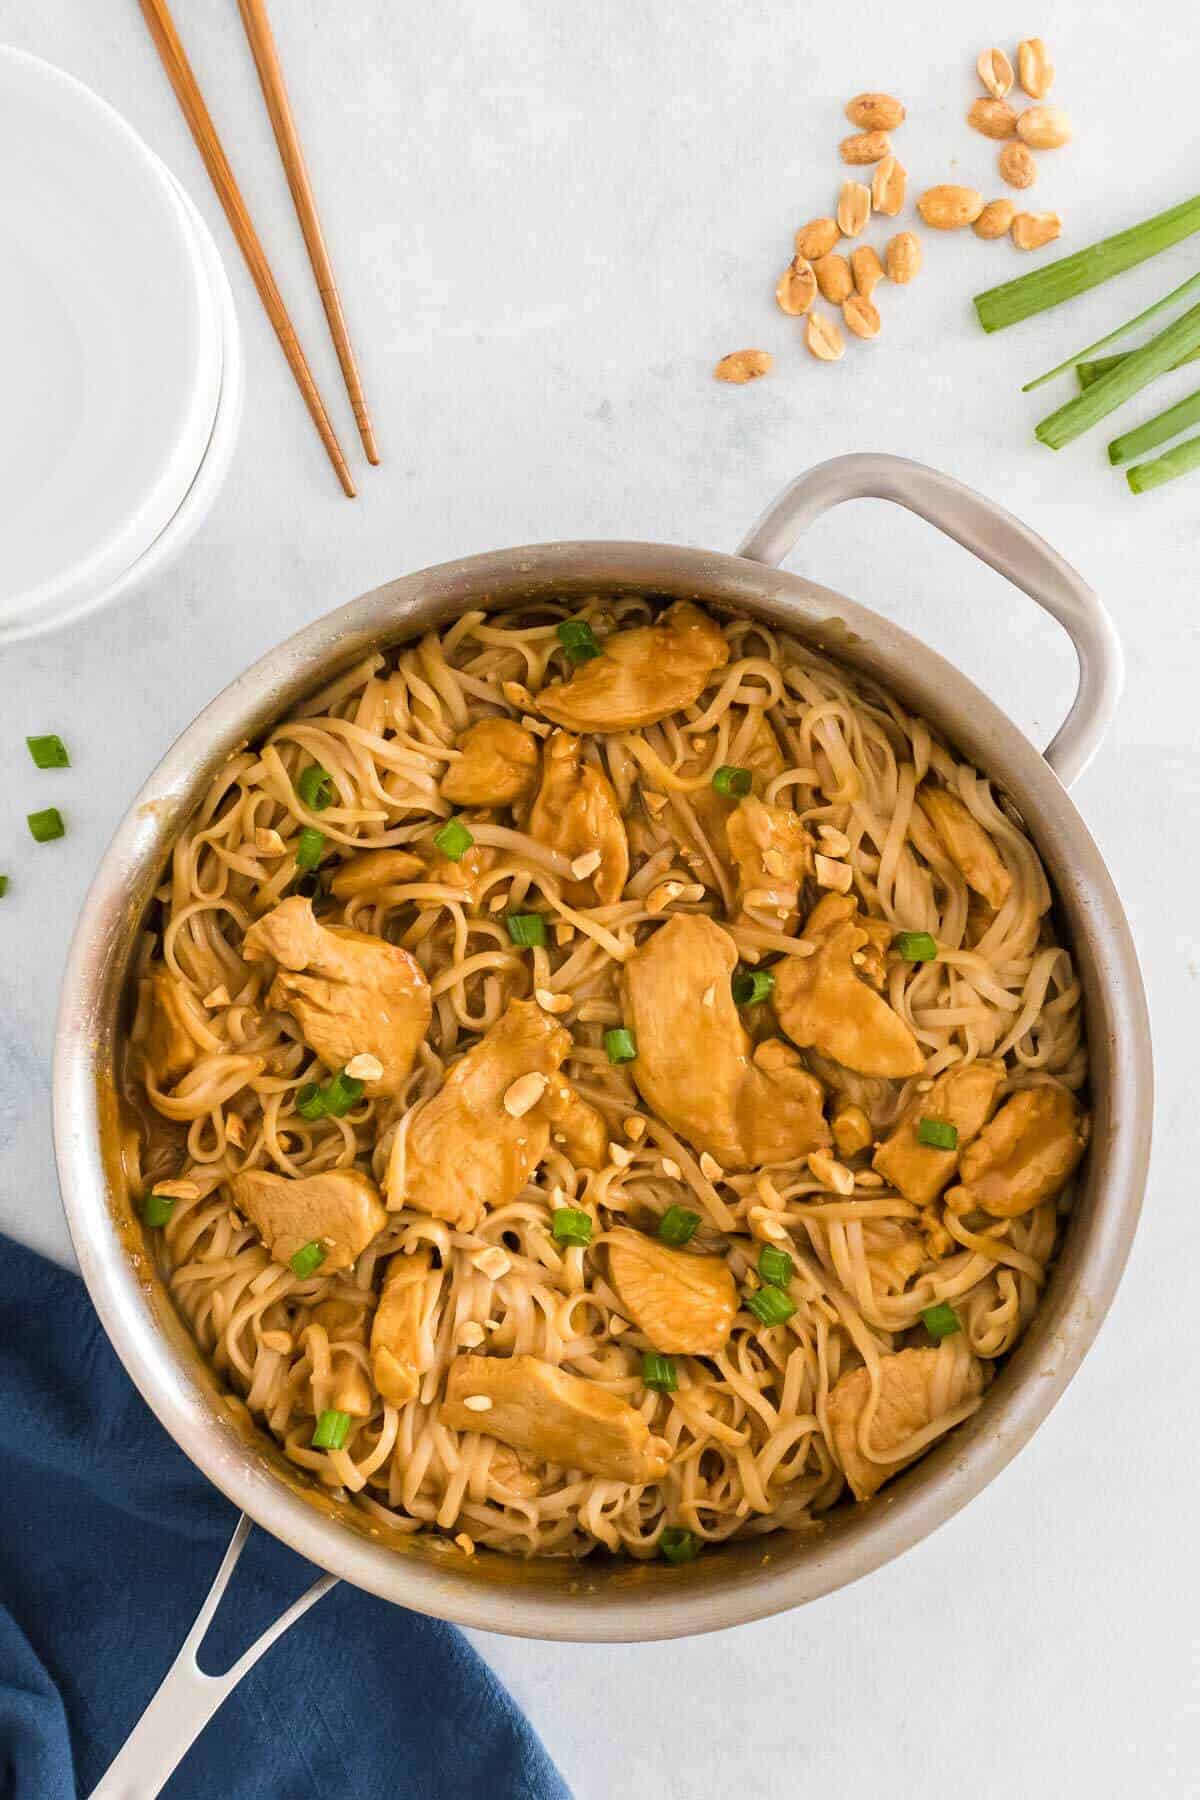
[[999, 540], [187, 1698]]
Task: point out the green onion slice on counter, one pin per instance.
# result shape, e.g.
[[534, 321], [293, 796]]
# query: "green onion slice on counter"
[[571, 1225], [3, 886], [771, 1305], [158, 1209], [578, 640], [46, 825], [333, 1428], [619, 1045], [678, 1225], [307, 1261], [940, 1321], [1144, 476], [658, 1372], [937, 1134], [1163, 426], [678, 1545], [49, 752], [310, 847], [453, 840], [315, 787], [752, 986], [916, 946], [775, 1266], [527, 930], [733, 782]]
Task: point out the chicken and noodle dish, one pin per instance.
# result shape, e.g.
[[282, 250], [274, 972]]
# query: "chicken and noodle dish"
[[604, 1077]]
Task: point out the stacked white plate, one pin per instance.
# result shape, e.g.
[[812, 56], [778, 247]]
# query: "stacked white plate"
[[120, 359]]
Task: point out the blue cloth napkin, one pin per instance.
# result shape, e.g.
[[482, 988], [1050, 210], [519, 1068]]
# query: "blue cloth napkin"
[[109, 1541]]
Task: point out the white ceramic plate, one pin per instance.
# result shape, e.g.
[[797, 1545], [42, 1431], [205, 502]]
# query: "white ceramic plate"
[[110, 346]]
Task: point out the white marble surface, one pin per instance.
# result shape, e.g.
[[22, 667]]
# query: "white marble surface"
[[548, 222]]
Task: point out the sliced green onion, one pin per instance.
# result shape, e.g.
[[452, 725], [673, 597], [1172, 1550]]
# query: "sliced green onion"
[[158, 1209], [1141, 366], [578, 640], [619, 1045], [333, 1428], [49, 752], [3, 886], [916, 946], [315, 787], [941, 1320], [46, 825], [310, 847], [1190, 286], [678, 1545], [343, 1092], [1184, 457], [752, 986], [733, 782], [571, 1225], [527, 930], [937, 1134], [775, 1266], [1132, 444], [658, 1372], [1089, 372], [1071, 275], [771, 1305], [310, 1101], [453, 840], [678, 1225], [307, 1261]]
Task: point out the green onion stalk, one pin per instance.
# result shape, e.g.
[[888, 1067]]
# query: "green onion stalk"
[[1112, 390], [1179, 461]]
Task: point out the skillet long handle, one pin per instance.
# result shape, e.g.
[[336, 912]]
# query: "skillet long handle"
[[187, 1698], [998, 539]]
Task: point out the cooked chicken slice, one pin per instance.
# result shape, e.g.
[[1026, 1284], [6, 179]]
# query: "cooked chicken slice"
[[577, 812], [822, 1002], [396, 1328], [641, 674], [684, 1304], [465, 1150], [577, 1123], [344, 1324], [694, 1065], [338, 1209], [962, 1097], [464, 873], [370, 870], [1023, 1156], [967, 844], [170, 1049], [773, 853], [916, 1389], [554, 1415], [498, 765], [357, 994]]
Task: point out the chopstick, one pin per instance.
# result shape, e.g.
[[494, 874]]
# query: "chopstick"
[[270, 74], [179, 73]]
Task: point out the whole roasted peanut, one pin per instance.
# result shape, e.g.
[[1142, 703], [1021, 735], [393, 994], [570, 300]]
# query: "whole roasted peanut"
[[861, 316], [817, 238], [948, 207], [853, 208], [796, 288], [995, 219], [994, 118], [875, 112], [1018, 165], [1031, 230], [865, 147], [824, 338], [833, 277], [1044, 127], [887, 187], [1035, 68], [995, 72], [902, 257], [744, 365], [866, 269]]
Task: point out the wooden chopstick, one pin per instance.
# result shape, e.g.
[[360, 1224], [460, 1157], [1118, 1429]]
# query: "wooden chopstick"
[[270, 74], [179, 73]]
